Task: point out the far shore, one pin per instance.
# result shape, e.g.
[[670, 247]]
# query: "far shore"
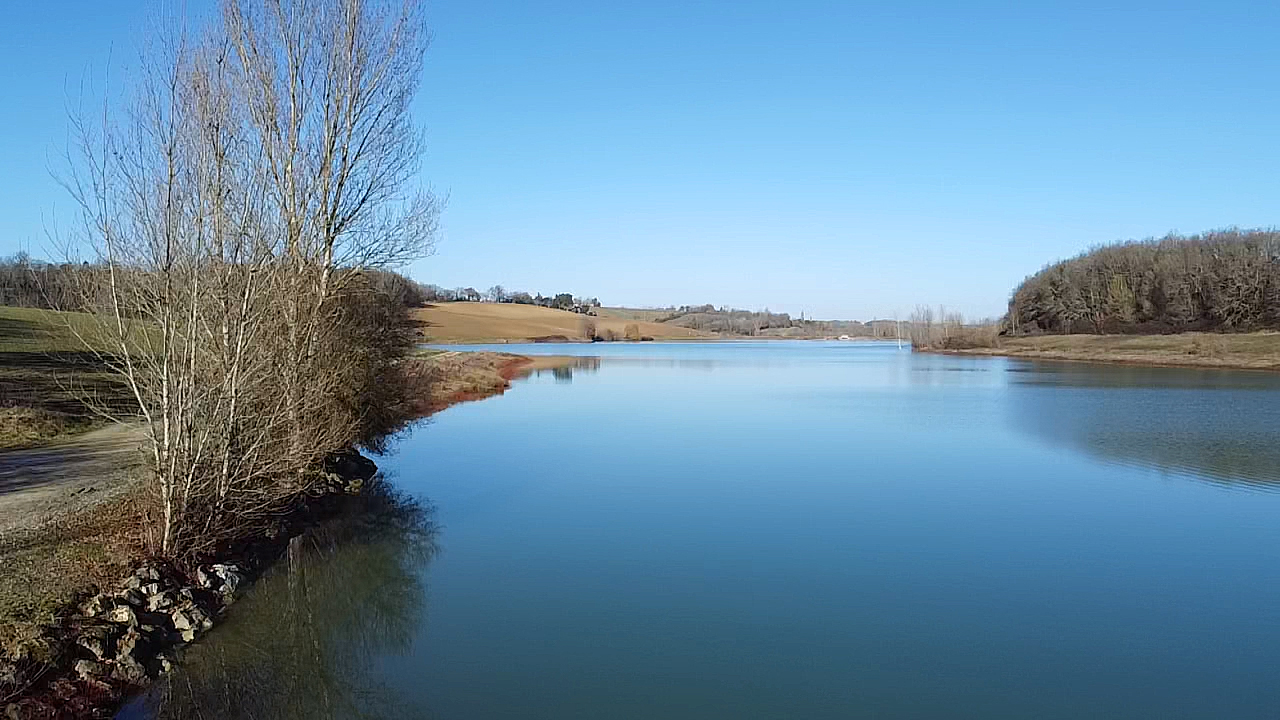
[[458, 376], [1242, 351]]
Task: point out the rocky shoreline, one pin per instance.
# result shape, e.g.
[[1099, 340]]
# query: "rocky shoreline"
[[112, 644]]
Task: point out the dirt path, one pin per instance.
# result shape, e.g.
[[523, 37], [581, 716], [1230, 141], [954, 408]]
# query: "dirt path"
[[41, 483]]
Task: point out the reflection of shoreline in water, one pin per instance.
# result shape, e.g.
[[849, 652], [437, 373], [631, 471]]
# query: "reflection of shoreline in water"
[[563, 373], [302, 642], [1218, 426], [567, 366]]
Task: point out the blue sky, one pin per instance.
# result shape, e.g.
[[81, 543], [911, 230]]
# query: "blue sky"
[[837, 158]]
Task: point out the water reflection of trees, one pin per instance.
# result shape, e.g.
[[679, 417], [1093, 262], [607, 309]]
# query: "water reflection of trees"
[[302, 644], [564, 373], [1213, 425]]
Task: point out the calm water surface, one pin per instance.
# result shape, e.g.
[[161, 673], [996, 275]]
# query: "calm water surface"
[[793, 530]]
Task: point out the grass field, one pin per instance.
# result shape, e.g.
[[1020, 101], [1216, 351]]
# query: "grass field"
[[467, 322], [632, 314], [1260, 351], [45, 376]]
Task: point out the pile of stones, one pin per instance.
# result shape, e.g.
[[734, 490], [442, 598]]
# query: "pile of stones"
[[129, 635]]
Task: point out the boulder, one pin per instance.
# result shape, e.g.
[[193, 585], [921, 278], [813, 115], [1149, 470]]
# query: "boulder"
[[127, 645], [132, 596], [91, 670], [130, 671], [123, 615], [206, 579], [350, 465], [162, 600], [98, 641], [93, 607], [230, 577], [181, 620]]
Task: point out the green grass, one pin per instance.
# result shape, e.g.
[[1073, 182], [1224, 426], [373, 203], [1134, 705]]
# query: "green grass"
[[27, 330], [47, 373]]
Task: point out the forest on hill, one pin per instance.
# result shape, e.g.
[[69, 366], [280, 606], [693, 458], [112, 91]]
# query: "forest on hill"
[[1225, 280]]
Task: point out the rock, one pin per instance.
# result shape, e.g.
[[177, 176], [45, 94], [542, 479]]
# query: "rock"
[[162, 600], [188, 635], [97, 640], [127, 644], [92, 607], [204, 579], [230, 577], [147, 573], [123, 615], [350, 465], [133, 582], [90, 669], [182, 621], [200, 620], [129, 670], [132, 596]]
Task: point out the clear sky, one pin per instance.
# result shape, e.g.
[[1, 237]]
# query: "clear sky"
[[838, 158]]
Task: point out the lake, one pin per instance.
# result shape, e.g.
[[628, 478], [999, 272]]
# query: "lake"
[[789, 530]]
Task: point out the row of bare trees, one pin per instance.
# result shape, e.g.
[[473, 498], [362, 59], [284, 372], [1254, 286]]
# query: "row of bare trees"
[[1224, 280], [940, 329], [238, 203]]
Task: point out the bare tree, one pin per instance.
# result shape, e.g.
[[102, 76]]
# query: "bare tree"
[[262, 167]]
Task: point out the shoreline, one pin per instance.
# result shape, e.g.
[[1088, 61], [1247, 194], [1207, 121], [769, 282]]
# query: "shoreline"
[[1205, 351], [454, 377], [109, 642], [106, 646]]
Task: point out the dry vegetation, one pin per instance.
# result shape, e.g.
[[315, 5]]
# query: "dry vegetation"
[[467, 322], [1256, 351], [261, 169], [455, 377], [1226, 280]]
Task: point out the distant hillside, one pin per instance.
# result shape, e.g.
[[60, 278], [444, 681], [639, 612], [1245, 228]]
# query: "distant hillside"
[[1220, 281], [471, 322], [748, 323]]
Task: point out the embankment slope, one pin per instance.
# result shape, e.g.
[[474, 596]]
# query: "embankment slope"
[[1251, 351], [467, 322]]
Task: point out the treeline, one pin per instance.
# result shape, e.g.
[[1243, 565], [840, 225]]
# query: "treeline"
[[25, 282], [731, 321], [726, 320], [32, 283], [499, 294], [1226, 280]]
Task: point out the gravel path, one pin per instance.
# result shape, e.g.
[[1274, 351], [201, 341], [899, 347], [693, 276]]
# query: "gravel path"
[[40, 484]]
